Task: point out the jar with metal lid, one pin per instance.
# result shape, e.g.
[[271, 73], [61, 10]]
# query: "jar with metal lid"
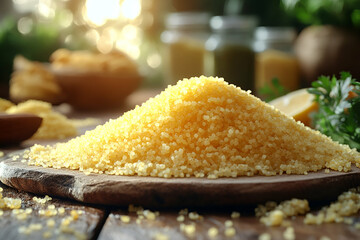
[[184, 41], [230, 50], [275, 57]]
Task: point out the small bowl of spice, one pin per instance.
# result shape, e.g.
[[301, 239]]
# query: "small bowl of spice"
[[93, 81]]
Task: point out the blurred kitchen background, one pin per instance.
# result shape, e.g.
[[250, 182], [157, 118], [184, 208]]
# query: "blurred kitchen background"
[[267, 46]]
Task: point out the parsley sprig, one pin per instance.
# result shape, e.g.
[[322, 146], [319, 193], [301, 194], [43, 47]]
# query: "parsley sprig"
[[339, 108]]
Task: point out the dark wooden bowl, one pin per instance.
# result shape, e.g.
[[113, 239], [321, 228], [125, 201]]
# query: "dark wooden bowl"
[[94, 91]]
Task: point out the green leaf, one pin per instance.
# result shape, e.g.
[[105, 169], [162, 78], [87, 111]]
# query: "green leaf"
[[338, 115]]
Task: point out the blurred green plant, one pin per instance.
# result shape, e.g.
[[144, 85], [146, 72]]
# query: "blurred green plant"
[[339, 108], [36, 45], [273, 90], [343, 13]]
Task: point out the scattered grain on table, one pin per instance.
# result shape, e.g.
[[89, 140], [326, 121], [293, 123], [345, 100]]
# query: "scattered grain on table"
[[273, 214], [347, 204]]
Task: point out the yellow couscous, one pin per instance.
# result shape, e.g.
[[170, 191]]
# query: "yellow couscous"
[[54, 125], [201, 127], [5, 104]]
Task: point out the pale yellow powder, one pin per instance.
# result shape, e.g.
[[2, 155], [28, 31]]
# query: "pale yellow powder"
[[201, 127], [54, 125], [5, 104]]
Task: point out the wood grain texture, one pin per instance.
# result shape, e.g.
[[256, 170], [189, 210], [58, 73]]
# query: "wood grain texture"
[[173, 192], [247, 227], [88, 225]]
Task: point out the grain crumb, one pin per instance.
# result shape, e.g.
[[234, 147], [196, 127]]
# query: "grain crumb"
[[230, 232], [265, 236], [289, 233], [180, 218], [188, 229], [160, 236], [347, 204], [274, 218], [324, 238], [228, 223], [272, 214], [213, 232], [125, 218], [195, 216], [235, 215]]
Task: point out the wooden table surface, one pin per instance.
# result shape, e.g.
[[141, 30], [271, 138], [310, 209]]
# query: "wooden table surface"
[[107, 223]]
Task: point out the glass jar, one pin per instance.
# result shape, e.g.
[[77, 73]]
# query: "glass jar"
[[184, 41], [229, 50], [275, 57]]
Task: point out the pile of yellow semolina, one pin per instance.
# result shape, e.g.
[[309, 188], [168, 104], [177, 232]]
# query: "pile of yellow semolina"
[[202, 127]]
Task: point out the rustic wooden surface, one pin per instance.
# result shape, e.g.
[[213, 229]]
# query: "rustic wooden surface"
[[173, 192], [105, 223], [88, 225], [247, 227]]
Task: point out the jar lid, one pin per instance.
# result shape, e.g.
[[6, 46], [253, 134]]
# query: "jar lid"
[[225, 23], [187, 20], [275, 34]]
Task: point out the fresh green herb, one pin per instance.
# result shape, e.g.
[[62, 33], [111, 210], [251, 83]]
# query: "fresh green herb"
[[339, 108], [271, 91]]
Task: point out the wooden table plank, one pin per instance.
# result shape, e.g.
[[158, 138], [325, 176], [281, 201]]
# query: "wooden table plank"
[[87, 226], [247, 227]]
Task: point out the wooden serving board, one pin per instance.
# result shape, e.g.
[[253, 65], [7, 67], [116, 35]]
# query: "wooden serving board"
[[173, 192]]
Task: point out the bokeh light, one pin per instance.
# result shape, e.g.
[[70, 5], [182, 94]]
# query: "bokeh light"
[[154, 60], [98, 12], [25, 25], [46, 8], [131, 9]]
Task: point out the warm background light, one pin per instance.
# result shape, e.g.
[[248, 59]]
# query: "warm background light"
[[98, 12], [104, 25]]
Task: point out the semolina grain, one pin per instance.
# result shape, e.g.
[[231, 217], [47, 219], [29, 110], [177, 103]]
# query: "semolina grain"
[[265, 236], [289, 233], [230, 232], [54, 125], [194, 216], [235, 215], [160, 236], [348, 204], [188, 229], [5, 104], [273, 214], [125, 218], [180, 218], [192, 129], [228, 223], [213, 232]]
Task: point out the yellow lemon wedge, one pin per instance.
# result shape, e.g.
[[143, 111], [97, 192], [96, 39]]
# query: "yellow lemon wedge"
[[297, 104]]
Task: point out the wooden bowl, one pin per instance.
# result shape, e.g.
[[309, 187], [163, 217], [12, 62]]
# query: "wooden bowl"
[[15, 128], [96, 91]]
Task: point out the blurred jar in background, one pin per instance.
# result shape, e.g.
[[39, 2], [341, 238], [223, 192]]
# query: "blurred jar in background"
[[275, 57], [229, 50], [184, 41]]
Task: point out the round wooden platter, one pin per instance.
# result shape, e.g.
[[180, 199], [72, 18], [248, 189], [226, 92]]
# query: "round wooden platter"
[[173, 192]]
